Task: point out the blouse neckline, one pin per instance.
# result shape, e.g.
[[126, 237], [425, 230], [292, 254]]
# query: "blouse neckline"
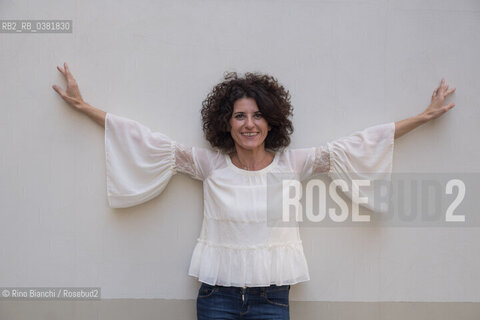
[[251, 172]]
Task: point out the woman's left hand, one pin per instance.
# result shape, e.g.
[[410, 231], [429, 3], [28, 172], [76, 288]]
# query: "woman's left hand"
[[437, 107]]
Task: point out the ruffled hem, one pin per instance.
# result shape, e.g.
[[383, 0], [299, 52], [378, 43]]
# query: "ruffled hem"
[[263, 266]]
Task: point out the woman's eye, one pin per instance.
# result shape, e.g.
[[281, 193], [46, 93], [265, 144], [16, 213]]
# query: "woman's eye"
[[256, 116]]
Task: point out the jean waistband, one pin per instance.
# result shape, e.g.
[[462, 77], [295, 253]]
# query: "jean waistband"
[[251, 290]]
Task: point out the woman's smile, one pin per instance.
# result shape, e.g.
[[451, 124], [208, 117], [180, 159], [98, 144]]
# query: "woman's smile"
[[250, 134]]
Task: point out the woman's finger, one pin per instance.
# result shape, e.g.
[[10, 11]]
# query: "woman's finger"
[[66, 72], [450, 106], [67, 69], [62, 94], [61, 70], [58, 90], [450, 91]]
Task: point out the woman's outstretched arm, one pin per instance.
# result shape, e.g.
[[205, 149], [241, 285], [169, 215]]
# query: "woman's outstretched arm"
[[73, 97], [434, 110]]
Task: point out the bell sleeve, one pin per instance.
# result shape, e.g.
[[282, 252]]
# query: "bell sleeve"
[[363, 155], [140, 163]]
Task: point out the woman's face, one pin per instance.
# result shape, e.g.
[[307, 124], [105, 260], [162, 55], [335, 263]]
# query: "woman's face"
[[247, 125]]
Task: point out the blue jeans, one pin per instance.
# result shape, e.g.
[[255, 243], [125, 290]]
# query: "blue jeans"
[[218, 302]]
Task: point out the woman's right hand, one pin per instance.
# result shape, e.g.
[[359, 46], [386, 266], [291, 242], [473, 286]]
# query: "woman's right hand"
[[72, 95]]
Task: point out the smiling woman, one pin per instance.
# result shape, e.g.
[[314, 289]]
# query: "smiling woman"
[[249, 130], [245, 266]]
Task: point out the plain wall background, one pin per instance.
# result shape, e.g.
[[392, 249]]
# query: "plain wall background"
[[347, 65]]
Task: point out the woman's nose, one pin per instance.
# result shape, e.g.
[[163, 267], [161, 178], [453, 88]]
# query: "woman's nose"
[[249, 122]]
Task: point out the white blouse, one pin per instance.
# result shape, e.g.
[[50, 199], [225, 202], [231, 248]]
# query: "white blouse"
[[235, 246]]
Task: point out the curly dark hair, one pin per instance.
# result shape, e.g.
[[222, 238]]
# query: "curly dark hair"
[[273, 102]]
